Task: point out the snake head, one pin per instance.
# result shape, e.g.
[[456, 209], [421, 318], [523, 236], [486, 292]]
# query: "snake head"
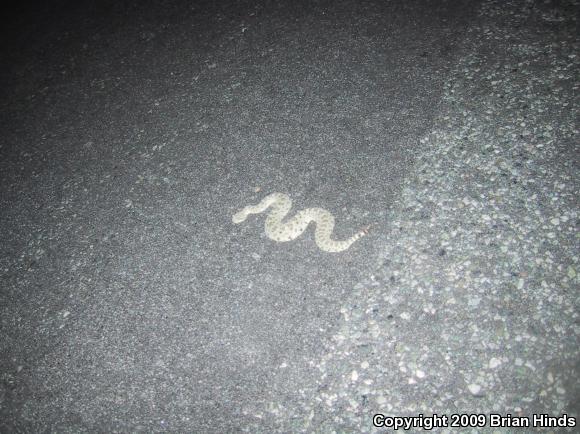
[[239, 216]]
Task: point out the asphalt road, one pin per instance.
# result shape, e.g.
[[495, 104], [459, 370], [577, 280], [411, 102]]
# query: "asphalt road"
[[132, 132]]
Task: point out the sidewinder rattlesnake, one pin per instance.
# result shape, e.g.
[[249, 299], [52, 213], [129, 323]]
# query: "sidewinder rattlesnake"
[[292, 228]]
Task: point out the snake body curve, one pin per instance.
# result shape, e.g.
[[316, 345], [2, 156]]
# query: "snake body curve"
[[277, 230]]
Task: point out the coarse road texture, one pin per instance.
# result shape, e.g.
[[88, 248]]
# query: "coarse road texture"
[[131, 132]]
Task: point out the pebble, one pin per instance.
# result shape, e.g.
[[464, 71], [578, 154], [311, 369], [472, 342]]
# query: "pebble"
[[474, 389]]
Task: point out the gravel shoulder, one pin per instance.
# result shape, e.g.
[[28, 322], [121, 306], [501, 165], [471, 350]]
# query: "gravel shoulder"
[[474, 304]]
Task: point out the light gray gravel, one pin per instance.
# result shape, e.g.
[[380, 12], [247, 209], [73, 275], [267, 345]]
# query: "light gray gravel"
[[474, 305]]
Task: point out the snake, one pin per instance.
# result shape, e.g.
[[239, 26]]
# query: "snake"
[[282, 231]]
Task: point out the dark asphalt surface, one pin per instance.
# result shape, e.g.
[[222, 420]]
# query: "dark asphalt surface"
[[131, 132]]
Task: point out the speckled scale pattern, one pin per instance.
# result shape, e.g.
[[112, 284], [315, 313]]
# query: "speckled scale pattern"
[[277, 230]]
